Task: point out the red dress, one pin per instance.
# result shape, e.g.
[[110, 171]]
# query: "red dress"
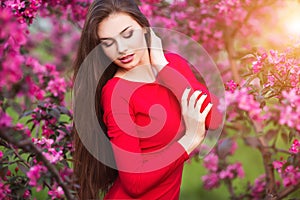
[[144, 124]]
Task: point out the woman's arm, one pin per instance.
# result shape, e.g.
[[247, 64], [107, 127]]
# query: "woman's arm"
[[175, 74]]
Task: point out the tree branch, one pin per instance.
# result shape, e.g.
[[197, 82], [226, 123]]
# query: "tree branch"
[[288, 191], [27, 145]]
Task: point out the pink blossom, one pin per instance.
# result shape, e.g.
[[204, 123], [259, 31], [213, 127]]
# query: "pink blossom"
[[289, 109], [278, 165], [61, 135], [53, 155], [290, 176], [232, 171], [34, 90], [5, 120], [210, 181], [211, 162], [44, 142], [295, 148], [47, 131], [4, 190], [26, 194], [21, 127], [256, 66], [1, 154], [275, 57], [146, 9], [56, 192], [34, 175], [57, 86], [226, 174], [288, 117], [231, 85], [18, 5], [258, 188]]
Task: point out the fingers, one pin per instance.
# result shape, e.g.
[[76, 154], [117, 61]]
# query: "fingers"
[[152, 33], [184, 99], [207, 109], [193, 103], [200, 101], [155, 40], [193, 99]]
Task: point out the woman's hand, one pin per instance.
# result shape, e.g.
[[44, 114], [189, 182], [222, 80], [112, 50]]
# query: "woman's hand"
[[157, 56], [194, 119]]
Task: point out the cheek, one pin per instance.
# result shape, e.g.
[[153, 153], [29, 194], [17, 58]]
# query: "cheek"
[[110, 53], [138, 42]]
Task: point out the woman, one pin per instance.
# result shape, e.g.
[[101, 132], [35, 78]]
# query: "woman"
[[153, 122]]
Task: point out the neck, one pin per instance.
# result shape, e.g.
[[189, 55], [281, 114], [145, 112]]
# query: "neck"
[[143, 72]]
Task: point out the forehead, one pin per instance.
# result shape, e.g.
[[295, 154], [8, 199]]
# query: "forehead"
[[116, 23]]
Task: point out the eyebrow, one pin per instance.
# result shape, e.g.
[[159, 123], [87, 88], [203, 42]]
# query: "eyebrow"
[[120, 33]]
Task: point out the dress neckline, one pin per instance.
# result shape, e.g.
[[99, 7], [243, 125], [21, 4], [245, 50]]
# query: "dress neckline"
[[137, 82]]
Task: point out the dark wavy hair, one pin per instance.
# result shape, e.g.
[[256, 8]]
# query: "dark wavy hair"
[[93, 177]]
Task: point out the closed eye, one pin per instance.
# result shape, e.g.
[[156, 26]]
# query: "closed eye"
[[127, 34], [107, 42]]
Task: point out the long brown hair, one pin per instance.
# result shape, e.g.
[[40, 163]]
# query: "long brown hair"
[[92, 176]]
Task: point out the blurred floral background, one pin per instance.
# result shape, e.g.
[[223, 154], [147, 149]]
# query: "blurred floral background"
[[256, 46]]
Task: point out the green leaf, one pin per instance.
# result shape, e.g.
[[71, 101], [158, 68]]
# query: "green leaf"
[[284, 137], [271, 134]]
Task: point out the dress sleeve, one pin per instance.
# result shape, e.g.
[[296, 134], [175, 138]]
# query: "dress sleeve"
[[138, 171], [177, 76]]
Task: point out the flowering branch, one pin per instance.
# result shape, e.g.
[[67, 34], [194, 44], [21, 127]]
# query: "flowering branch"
[[288, 191], [27, 145]]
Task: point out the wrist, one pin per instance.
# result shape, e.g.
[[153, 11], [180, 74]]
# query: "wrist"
[[189, 142], [159, 62]]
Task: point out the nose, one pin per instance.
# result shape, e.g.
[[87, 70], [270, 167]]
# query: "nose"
[[122, 46]]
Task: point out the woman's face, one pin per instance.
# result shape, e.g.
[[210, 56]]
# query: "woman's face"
[[122, 40]]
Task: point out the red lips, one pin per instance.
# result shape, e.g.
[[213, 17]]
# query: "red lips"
[[126, 59]]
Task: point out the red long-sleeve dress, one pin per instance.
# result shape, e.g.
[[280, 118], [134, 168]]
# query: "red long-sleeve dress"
[[144, 125]]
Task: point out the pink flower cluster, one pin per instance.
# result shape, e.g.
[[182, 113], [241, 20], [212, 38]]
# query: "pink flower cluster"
[[4, 190], [290, 174], [283, 66], [52, 153], [34, 174], [25, 11], [246, 102], [289, 169], [295, 148], [56, 192], [217, 171], [258, 189], [258, 64], [48, 80], [5, 120], [12, 36], [290, 109], [207, 22], [75, 10], [231, 86]]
